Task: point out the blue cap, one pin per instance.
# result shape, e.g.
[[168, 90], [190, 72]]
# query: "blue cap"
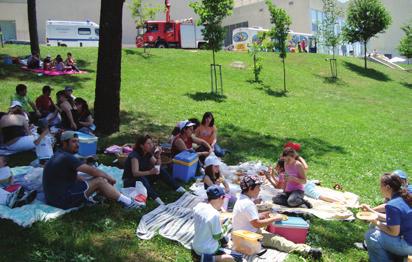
[[214, 192], [401, 174]]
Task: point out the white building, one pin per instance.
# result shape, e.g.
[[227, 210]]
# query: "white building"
[[305, 15]]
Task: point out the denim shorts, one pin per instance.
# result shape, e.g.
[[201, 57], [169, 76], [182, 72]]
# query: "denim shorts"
[[74, 196]]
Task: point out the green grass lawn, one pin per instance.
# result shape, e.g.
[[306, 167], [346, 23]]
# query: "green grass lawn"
[[351, 130]]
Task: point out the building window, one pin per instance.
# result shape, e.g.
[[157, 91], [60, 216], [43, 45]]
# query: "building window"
[[96, 31], [84, 31]]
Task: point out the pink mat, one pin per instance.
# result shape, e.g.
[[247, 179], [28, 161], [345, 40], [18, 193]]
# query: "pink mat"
[[53, 72]]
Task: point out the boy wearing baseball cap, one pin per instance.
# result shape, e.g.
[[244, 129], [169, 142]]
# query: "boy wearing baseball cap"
[[246, 217], [208, 230]]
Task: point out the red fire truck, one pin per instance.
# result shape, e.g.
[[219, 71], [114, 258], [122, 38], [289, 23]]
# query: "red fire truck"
[[171, 33]]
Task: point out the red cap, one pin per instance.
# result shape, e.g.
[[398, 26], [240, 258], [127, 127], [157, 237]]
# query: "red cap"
[[295, 146]]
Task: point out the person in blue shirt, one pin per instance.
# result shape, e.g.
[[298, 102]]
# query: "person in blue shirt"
[[393, 238]]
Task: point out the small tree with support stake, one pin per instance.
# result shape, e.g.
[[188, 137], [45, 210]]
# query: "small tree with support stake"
[[211, 14], [279, 32], [330, 37]]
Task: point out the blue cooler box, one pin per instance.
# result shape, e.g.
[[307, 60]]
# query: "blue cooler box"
[[185, 165], [87, 144]]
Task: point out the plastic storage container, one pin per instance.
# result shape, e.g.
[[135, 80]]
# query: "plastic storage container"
[[294, 229], [246, 242], [87, 144], [185, 165]]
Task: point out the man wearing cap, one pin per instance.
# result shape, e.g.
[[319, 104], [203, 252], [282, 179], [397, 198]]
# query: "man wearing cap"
[[15, 129], [64, 189], [28, 106], [185, 139], [208, 230], [246, 217], [44, 103]]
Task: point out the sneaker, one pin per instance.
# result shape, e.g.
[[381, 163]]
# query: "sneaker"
[[315, 253], [360, 245], [26, 199], [14, 196], [135, 205], [181, 190]]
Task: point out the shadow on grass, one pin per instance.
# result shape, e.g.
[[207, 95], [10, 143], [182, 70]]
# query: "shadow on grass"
[[13, 72], [100, 233], [145, 55], [370, 72], [269, 91], [245, 144], [332, 80], [206, 96], [338, 236], [407, 85]]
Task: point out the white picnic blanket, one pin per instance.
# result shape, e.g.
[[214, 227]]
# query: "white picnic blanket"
[[26, 215], [321, 209], [175, 221]]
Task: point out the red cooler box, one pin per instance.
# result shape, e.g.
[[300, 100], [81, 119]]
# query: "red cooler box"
[[185, 165], [294, 229]]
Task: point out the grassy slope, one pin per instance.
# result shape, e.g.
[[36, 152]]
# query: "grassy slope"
[[351, 130]]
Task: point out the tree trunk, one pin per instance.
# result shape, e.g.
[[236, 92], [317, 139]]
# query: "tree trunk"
[[214, 69], [366, 65], [254, 67], [333, 52], [107, 94], [34, 38], [284, 75]]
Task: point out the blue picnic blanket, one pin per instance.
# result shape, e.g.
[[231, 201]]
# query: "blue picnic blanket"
[[26, 215]]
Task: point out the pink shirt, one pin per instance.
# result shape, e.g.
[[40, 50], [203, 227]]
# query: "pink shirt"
[[293, 170]]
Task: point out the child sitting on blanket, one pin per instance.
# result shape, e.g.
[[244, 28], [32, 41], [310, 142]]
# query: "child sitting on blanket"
[[212, 173], [246, 217], [277, 178], [208, 230], [16, 198], [44, 143], [71, 62], [295, 179]]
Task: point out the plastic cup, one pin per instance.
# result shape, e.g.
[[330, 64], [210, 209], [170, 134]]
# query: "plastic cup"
[[158, 169]]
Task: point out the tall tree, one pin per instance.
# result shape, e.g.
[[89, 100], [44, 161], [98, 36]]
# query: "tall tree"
[[365, 19], [405, 46], [32, 17], [211, 14], [142, 12], [279, 32], [107, 94], [328, 31]]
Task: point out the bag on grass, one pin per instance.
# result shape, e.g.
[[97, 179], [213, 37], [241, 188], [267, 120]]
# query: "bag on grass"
[[138, 192]]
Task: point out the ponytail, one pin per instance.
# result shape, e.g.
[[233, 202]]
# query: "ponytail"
[[407, 197]]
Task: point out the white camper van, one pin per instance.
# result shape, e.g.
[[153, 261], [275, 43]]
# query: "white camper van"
[[72, 33]]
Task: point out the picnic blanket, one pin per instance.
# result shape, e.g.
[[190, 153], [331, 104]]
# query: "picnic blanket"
[[175, 221], [53, 72], [321, 209], [26, 215]]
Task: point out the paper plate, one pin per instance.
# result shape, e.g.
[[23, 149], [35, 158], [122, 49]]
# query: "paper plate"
[[365, 215]]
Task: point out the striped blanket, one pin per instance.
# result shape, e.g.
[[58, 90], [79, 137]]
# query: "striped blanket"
[[175, 221]]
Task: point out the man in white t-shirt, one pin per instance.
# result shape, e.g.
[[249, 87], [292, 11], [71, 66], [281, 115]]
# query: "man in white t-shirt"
[[208, 230], [246, 217]]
